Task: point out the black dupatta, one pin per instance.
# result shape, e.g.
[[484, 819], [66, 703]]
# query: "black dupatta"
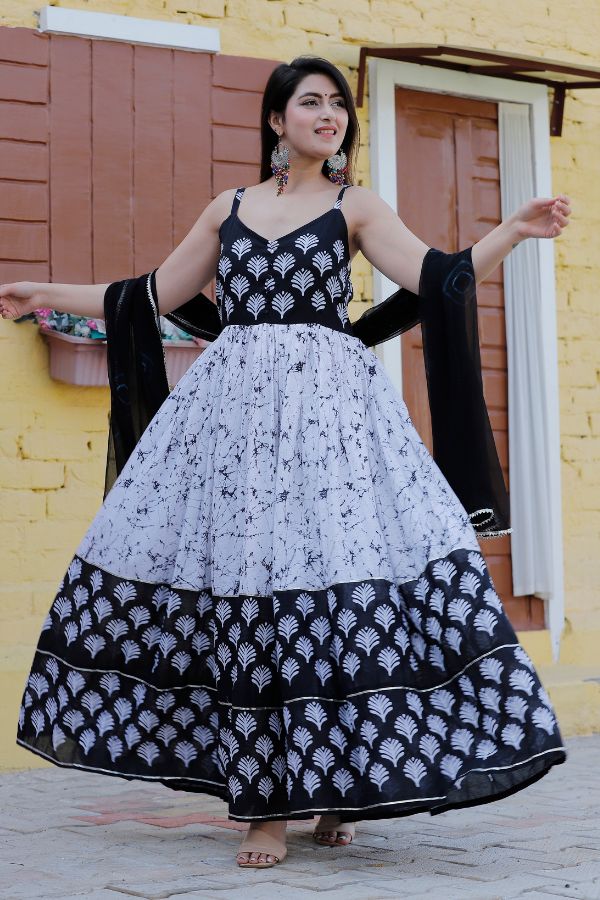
[[446, 307]]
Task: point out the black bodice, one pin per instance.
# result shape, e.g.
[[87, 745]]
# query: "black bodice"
[[303, 276]]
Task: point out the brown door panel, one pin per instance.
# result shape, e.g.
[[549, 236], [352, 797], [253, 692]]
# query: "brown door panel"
[[449, 195]]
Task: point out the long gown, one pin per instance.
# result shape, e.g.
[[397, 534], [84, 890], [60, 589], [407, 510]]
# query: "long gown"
[[281, 601]]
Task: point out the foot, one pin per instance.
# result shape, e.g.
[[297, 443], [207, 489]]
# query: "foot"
[[275, 829], [329, 830]]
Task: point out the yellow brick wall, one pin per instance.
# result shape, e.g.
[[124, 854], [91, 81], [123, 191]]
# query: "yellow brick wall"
[[53, 440], [53, 437]]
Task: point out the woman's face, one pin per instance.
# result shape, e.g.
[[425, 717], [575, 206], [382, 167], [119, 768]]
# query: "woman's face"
[[316, 104]]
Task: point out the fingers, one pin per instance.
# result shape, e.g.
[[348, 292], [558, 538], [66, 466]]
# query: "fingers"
[[561, 202], [560, 210], [561, 205]]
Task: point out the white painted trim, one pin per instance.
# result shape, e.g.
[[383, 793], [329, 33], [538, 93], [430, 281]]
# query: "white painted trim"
[[132, 30], [384, 75]]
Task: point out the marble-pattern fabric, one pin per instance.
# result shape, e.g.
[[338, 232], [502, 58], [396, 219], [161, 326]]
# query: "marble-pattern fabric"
[[283, 458]]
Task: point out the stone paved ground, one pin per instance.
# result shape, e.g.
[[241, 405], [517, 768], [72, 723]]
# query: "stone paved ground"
[[67, 833]]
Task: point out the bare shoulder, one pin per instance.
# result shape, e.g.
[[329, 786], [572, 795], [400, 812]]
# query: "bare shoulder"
[[364, 204], [219, 208]]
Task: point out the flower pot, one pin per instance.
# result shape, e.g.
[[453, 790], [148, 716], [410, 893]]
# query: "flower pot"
[[82, 361], [76, 360], [179, 356]]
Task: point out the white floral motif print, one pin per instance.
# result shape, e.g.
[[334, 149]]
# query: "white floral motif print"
[[306, 242], [322, 261], [256, 303], [283, 263], [258, 265], [241, 246], [224, 266], [302, 279]]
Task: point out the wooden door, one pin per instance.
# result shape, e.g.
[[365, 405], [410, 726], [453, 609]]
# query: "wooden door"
[[449, 195]]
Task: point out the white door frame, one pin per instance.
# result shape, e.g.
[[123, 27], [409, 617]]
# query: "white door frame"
[[384, 75]]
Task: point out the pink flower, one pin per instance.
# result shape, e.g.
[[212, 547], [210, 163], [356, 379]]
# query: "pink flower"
[[43, 311]]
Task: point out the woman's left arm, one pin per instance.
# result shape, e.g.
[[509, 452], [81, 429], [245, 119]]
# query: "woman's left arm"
[[394, 250], [540, 217]]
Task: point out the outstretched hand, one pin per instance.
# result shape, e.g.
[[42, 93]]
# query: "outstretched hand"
[[543, 217], [20, 298]]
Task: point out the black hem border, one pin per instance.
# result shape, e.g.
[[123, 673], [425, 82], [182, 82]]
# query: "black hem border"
[[524, 774]]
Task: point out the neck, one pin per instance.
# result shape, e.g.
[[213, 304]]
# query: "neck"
[[305, 175]]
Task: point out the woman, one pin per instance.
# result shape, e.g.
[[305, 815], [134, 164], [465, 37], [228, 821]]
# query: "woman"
[[281, 601]]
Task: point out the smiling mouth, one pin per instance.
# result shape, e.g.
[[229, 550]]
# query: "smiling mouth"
[[325, 131]]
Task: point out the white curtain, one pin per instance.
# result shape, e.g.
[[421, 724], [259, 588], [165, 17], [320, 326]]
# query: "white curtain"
[[532, 403]]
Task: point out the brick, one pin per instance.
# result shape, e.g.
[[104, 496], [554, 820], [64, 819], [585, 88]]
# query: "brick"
[[363, 28], [89, 418], [29, 473], [77, 504], [582, 448], [576, 424], [26, 505], [22, 630], [89, 473], [45, 536], [578, 373], [257, 40], [214, 8], [310, 19], [9, 442], [47, 445], [42, 600], [267, 13], [15, 600]]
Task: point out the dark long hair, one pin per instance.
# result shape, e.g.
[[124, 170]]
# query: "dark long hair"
[[282, 83]]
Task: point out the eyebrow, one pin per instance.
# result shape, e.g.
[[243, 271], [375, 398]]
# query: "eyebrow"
[[316, 94]]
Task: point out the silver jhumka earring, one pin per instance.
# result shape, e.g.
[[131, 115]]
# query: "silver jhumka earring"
[[280, 165], [338, 167]]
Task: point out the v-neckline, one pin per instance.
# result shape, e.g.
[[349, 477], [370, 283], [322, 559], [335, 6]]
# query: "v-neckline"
[[289, 233]]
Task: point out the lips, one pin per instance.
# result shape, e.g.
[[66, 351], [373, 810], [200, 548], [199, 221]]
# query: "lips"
[[325, 131]]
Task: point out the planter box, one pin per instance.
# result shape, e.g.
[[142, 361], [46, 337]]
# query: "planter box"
[[82, 361]]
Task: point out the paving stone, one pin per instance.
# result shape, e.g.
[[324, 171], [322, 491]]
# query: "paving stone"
[[144, 840]]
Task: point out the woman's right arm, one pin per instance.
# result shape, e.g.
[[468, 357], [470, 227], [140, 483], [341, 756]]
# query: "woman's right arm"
[[183, 274]]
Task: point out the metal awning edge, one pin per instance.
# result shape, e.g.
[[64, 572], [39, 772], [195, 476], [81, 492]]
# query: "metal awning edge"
[[507, 65]]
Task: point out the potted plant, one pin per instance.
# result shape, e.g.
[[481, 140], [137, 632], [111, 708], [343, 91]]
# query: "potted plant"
[[77, 347]]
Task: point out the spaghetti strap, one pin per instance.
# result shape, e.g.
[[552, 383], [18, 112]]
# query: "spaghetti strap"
[[236, 200], [340, 197]]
